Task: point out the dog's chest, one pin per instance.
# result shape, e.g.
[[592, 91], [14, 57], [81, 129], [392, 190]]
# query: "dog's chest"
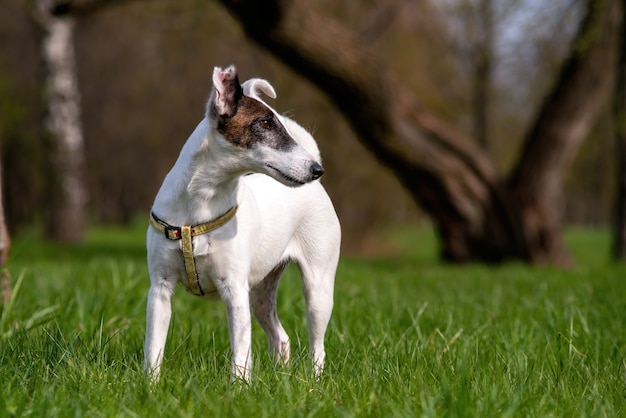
[[206, 275], [205, 266], [217, 258]]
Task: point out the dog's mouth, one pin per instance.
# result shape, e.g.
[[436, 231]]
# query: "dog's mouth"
[[287, 177]]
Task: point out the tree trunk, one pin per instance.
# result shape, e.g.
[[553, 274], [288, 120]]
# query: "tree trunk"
[[567, 116], [476, 214], [5, 245], [483, 52], [68, 195], [619, 115]]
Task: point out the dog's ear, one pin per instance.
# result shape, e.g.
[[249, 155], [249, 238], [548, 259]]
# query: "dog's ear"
[[226, 94], [255, 86]]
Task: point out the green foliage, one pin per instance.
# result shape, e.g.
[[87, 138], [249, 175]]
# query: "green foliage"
[[409, 337]]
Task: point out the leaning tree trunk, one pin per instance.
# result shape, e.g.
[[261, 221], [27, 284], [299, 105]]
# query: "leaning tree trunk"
[[68, 194], [478, 216], [619, 117]]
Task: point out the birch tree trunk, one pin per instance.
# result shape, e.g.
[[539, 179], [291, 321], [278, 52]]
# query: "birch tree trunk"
[[68, 195]]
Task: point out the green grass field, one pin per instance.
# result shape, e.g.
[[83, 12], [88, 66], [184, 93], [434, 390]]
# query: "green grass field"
[[408, 337]]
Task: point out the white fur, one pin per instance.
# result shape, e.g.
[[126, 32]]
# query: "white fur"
[[275, 224]]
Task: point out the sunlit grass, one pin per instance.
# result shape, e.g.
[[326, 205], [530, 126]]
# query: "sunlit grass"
[[409, 337]]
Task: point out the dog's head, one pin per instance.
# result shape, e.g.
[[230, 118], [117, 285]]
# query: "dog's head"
[[253, 131]]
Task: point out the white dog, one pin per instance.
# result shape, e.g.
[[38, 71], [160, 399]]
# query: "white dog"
[[224, 233]]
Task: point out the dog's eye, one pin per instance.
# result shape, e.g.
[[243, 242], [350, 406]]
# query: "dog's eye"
[[266, 124]]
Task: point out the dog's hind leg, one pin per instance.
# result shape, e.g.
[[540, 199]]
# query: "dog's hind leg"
[[263, 301], [158, 314], [318, 280]]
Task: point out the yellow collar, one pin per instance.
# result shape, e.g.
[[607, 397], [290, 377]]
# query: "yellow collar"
[[185, 233], [174, 232]]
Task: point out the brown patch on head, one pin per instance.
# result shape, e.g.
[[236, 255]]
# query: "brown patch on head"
[[254, 123]]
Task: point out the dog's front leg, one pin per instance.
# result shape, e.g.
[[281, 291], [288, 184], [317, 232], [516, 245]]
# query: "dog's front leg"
[[237, 303], [158, 313]]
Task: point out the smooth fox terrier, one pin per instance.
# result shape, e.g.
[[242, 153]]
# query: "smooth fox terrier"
[[224, 232]]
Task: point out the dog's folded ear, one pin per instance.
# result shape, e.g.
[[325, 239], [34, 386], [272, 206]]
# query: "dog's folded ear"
[[255, 86], [226, 93]]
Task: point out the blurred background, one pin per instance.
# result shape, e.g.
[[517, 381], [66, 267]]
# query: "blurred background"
[[144, 75]]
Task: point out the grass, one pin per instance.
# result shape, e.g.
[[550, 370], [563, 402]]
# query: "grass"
[[409, 337]]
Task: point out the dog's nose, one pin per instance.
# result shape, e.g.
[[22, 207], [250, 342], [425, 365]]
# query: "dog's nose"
[[316, 171]]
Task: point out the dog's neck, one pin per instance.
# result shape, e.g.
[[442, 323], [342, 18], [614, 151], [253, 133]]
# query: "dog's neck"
[[202, 185]]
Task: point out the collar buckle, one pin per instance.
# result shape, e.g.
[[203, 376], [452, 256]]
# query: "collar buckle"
[[173, 233]]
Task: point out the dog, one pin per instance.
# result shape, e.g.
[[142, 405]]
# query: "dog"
[[242, 201]]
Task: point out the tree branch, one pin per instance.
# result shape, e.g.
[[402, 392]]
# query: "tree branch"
[[81, 8]]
